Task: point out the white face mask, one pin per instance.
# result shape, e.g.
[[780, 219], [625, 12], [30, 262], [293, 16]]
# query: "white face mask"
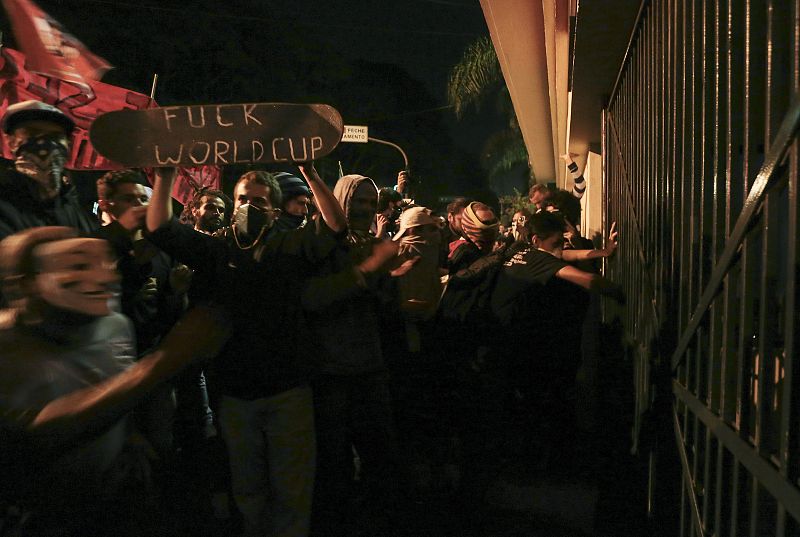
[[76, 275], [43, 158]]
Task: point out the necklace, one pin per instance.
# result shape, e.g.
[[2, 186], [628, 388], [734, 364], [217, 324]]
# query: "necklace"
[[253, 244]]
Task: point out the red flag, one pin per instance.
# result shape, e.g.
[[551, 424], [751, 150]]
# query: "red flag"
[[50, 49], [59, 70], [18, 84], [192, 180]]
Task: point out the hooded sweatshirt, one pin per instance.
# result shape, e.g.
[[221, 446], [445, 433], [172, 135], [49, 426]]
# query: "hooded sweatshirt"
[[342, 306]]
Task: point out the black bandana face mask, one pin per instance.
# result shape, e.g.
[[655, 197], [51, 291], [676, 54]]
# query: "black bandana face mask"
[[43, 158], [251, 222], [294, 221]]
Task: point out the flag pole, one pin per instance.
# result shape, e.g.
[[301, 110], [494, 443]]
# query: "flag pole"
[[153, 87]]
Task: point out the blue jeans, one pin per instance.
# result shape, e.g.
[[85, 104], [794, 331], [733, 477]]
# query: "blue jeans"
[[272, 450]]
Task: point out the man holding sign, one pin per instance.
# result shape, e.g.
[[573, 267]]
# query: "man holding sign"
[[257, 273]]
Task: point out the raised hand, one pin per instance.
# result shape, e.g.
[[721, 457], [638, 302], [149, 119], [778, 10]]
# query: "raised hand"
[[611, 241], [133, 218]]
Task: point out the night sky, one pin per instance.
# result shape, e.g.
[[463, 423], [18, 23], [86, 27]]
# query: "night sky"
[[384, 64]]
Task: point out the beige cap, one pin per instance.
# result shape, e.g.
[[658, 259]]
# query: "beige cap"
[[413, 217]]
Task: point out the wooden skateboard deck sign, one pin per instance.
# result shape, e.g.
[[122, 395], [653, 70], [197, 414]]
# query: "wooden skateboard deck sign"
[[262, 133]]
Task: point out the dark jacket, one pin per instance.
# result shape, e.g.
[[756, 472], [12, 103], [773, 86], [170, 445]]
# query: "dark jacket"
[[137, 262], [20, 209], [343, 308], [261, 289]]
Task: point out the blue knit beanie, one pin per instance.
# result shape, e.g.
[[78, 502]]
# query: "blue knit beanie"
[[291, 186]]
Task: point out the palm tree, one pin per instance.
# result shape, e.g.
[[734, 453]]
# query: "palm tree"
[[476, 80]]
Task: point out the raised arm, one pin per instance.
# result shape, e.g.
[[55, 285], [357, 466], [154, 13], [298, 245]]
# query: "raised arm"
[[200, 334], [583, 255], [328, 205], [159, 211]]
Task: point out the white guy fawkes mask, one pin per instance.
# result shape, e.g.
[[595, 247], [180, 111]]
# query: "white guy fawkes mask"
[[76, 275]]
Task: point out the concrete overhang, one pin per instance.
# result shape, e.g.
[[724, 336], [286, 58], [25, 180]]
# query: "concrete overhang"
[[603, 31], [532, 40]]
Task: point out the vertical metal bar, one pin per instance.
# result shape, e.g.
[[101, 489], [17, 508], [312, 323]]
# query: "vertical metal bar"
[[728, 302], [745, 313], [730, 306], [718, 238], [766, 333], [691, 284], [788, 437], [607, 194], [673, 196], [709, 357]]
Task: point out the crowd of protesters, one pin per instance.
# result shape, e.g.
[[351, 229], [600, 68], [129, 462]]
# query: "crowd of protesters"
[[302, 360]]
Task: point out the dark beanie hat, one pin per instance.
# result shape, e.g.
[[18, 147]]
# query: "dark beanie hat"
[[291, 186]]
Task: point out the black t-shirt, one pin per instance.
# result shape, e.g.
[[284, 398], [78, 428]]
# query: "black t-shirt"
[[521, 292]]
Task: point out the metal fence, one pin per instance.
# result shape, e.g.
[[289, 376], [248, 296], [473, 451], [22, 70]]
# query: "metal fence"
[[700, 171]]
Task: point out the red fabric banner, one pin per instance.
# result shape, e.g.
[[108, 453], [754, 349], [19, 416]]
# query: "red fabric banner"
[[59, 70], [191, 180], [49, 48], [19, 84]]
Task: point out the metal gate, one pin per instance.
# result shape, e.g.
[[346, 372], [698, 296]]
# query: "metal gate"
[[700, 171]]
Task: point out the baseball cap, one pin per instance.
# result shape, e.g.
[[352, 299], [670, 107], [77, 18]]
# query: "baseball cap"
[[413, 217], [31, 111]]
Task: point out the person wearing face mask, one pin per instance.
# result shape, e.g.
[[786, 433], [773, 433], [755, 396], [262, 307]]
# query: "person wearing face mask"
[[36, 191], [295, 203], [260, 275], [67, 383], [479, 227], [452, 232], [419, 289], [351, 388]]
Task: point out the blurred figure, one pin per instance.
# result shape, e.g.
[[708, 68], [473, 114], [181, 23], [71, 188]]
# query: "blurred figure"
[[62, 336], [67, 381]]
